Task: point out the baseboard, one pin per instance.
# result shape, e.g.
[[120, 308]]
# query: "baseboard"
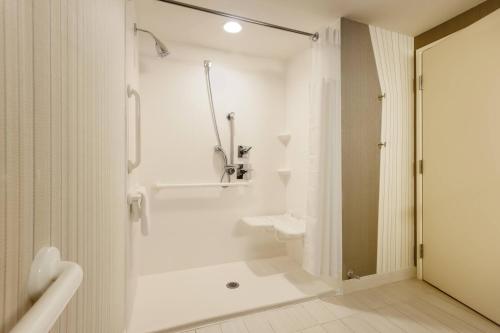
[[375, 280]]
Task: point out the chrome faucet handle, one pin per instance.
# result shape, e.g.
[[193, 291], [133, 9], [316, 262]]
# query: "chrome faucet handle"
[[243, 151], [244, 171]]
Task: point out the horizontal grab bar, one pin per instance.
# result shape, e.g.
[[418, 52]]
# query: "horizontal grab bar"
[[52, 283], [160, 186]]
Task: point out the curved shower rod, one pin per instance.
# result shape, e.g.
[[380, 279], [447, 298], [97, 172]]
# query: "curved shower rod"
[[313, 36]]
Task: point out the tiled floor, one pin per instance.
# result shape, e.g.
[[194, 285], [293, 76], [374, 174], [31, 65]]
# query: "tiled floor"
[[409, 306]]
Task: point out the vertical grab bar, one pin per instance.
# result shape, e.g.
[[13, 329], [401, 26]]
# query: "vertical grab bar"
[[132, 165]]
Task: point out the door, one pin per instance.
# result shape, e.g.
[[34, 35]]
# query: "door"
[[461, 175]]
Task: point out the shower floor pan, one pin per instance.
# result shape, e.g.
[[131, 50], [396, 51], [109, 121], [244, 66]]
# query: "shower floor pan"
[[177, 300]]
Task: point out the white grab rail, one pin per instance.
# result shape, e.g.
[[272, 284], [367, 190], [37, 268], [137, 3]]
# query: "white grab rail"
[[160, 186], [138, 154], [52, 283]]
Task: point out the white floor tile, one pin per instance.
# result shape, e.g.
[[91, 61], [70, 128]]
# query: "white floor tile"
[[234, 326], [257, 323], [315, 329], [336, 327], [401, 320], [209, 329], [358, 325], [319, 310]]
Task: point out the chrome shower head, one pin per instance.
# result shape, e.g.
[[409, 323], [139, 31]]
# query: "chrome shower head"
[[161, 49], [207, 64]]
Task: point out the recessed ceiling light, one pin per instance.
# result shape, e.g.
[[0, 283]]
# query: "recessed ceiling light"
[[232, 27]]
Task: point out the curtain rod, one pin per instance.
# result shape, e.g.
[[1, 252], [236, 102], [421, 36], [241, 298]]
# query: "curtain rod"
[[313, 36]]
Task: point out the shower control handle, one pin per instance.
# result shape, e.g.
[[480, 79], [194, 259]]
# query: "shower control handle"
[[243, 151], [243, 171]]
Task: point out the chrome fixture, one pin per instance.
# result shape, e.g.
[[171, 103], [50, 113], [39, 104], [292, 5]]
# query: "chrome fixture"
[[161, 49], [243, 171], [232, 285], [313, 36], [243, 151], [229, 168], [351, 275]]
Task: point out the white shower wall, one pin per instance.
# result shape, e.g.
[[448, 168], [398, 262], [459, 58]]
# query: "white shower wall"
[[200, 226], [297, 119]]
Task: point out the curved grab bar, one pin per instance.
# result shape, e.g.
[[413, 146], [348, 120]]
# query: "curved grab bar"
[[52, 283], [132, 165]]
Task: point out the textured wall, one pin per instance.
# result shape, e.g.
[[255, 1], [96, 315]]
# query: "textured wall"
[[62, 156], [394, 58]]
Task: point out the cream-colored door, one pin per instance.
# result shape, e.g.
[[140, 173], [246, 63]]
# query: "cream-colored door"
[[461, 175]]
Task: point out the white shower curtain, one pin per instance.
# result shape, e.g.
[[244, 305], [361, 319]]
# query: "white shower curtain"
[[323, 240]]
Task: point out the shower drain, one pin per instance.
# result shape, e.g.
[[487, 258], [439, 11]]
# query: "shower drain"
[[232, 285]]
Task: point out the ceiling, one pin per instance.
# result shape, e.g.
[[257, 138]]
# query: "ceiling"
[[173, 23]]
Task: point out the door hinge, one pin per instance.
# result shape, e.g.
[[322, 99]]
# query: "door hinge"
[[421, 167], [421, 250], [420, 82]]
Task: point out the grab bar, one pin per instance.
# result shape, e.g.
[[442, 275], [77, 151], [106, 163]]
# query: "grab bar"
[[132, 165], [160, 186], [51, 284]]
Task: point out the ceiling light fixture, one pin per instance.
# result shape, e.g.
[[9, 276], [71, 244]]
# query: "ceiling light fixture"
[[232, 27]]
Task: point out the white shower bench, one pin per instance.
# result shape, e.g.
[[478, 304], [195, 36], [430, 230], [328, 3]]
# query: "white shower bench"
[[285, 226]]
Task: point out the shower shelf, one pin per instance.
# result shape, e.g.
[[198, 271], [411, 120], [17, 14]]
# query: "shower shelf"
[[286, 226], [160, 186]]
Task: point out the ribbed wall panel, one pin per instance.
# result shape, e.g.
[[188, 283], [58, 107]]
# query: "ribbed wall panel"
[[62, 153], [394, 58]]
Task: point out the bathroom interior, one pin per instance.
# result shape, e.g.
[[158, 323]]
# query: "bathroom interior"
[[230, 166]]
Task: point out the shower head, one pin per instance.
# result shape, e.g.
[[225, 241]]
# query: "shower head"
[[161, 49], [207, 64]]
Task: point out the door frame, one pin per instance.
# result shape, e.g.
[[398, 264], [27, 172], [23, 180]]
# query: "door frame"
[[419, 152]]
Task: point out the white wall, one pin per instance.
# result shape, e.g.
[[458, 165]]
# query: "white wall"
[[298, 72], [200, 227], [297, 120]]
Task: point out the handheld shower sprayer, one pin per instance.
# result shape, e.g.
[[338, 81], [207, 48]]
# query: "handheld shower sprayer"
[[229, 167]]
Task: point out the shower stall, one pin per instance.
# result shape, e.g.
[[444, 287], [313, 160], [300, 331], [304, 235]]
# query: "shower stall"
[[244, 160]]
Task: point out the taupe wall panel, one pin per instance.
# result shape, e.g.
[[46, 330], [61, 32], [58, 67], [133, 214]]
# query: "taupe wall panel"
[[62, 153], [361, 119]]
